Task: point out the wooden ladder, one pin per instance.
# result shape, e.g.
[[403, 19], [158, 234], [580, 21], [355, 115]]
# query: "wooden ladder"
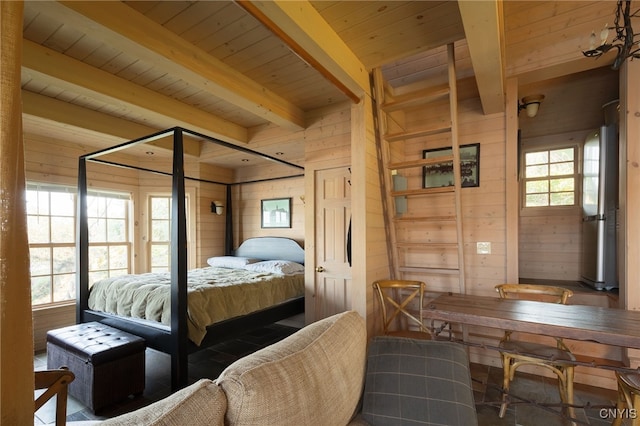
[[423, 219]]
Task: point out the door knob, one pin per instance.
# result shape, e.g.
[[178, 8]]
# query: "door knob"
[[319, 269]]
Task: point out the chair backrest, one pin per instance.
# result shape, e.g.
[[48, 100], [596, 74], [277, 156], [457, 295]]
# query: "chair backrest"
[[401, 300], [541, 293], [56, 383]]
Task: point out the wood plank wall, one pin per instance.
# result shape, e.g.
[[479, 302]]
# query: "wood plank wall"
[[327, 146], [483, 207], [210, 228], [370, 246], [550, 243]]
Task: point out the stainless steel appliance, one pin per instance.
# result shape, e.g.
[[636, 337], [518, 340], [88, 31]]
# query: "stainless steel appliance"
[[600, 203]]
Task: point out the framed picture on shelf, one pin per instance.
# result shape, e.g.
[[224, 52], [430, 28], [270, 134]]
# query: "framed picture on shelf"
[[276, 213], [441, 174]]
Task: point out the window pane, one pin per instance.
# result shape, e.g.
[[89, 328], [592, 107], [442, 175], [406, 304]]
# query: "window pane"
[[41, 290], [62, 229], [96, 206], [40, 260], [37, 202], [64, 287], [62, 204], [38, 229], [64, 260], [160, 208], [97, 276], [537, 200], [98, 258], [97, 230], [559, 155], [159, 255], [116, 230], [562, 199], [160, 230], [116, 208], [558, 185], [537, 186], [118, 257], [537, 171], [532, 158], [561, 169]]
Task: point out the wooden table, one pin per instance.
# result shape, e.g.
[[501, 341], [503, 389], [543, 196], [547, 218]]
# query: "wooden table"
[[608, 326]]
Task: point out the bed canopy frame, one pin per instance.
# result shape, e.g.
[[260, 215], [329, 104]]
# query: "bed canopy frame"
[[172, 340]]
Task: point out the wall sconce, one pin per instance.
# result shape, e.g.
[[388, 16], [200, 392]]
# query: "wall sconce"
[[217, 207], [531, 104]]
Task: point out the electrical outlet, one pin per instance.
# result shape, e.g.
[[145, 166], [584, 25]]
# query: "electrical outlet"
[[483, 248]]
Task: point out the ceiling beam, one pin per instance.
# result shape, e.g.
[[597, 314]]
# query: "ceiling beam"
[[483, 23], [124, 28], [76, 76], [303, 29], [73, 116]]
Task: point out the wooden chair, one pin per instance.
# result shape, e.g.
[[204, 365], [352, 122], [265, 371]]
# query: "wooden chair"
[[628, 399], [401, 304], [518, 353], [56, 383]]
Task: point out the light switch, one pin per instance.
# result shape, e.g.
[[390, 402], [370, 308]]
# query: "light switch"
[[483, 248]]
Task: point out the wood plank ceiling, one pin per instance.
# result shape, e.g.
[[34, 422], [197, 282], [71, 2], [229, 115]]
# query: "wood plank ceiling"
[[111, 71]]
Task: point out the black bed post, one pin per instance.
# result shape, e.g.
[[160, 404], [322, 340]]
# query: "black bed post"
[[228, 232], [179, 354], [82, 244]]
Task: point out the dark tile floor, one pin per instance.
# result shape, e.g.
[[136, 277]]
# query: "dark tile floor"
[[486, 384], [537, 400]]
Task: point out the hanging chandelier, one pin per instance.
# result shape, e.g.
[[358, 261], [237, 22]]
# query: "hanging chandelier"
[[623, 39]]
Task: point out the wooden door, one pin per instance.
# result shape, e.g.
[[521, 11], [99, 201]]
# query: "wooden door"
[[332, 275]]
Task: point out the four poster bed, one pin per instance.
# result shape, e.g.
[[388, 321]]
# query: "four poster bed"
[[260, 282]]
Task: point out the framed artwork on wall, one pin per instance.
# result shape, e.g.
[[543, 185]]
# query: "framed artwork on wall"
[[441, 174], [276, 213]]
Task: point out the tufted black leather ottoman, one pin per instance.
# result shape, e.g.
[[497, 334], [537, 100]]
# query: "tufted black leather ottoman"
[[108, 363]]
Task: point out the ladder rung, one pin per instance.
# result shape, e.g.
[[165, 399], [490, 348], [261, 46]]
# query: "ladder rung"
[[421, 162], [417, 98], [440, 271], [423, 191], [393, 137], [425, 219], [405, 254]]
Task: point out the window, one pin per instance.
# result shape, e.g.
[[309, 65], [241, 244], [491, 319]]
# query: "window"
[[160, 235], [109, 241], [51, 218], [550, 177], [159, 207], [51, 227]]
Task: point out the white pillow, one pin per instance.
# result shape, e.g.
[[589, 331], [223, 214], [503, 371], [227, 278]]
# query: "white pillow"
[[286, 267], [230, 261]]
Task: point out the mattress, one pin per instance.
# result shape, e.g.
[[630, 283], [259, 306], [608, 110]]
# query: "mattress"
[[214, 294]]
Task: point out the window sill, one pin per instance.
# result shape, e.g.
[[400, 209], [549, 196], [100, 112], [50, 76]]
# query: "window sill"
[[53, 305]]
